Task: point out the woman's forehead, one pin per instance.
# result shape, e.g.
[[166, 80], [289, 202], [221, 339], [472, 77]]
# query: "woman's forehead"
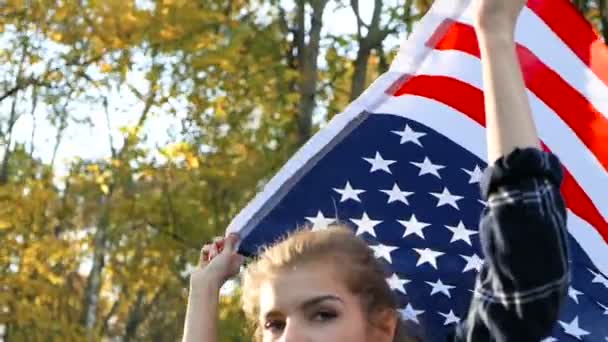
[[289, 289]]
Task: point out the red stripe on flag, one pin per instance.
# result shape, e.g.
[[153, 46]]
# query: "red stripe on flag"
[[569, 104], [574, 30], [469, 100]]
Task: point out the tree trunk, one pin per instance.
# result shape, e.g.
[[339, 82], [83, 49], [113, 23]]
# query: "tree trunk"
[[140, 311], [135, 317], [603, 5], [8, 135], [4, 167], [91, 297], [359, 79], [582, 5], [9, 139], [308, 54], [366, 43]]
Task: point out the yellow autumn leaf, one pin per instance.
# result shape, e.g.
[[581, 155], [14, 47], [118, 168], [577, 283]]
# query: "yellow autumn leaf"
[[61, 13], [100, 179], [94, 168], [192, 161], [54, 279], [130, 18], [105, 67], [4, 224], [116, 163], [54, 76], [56, 36], [104, 188], [175, 150], [168, 33], [97, 45]]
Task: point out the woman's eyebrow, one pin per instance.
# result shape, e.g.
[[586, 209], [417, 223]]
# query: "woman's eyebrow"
[[305, 305], [316, 300]]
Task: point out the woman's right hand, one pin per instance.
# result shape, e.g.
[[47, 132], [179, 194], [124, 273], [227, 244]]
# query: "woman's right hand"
[[219, 261]]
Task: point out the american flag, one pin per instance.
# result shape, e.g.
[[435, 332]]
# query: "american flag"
[[401, 165]]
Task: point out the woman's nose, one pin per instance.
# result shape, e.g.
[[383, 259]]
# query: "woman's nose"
[[294, 332]]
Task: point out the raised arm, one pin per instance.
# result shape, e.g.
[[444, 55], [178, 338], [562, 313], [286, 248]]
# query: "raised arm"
[[509, 120], [524, 279], [219, 261]]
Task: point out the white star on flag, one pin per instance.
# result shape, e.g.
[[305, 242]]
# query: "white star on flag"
[[440, 287], [320, 222], [383, 251], [603, 307], [460, 232], [379, 163], [395, 194], [475, 175], [598, 278], [409, 135], [366, 225], [549, 339], [396, 283], [410, 314], [349, 193], [450, 318], [446, 197], [573, 329], [574, 293], [428, 255], [427, 167], [474, 262], [413, 226]]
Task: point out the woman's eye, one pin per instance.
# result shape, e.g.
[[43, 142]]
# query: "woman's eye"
[[274, 325], [324, 316]]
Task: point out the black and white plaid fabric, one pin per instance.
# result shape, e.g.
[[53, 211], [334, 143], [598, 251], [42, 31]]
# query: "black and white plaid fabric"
[[524, 281]]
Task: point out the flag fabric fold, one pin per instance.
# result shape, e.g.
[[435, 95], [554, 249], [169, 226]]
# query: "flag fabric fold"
[[401, 165]]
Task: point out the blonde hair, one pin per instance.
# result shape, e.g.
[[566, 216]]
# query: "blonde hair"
[[362, 274]]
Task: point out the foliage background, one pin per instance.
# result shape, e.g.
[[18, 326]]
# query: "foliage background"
[[198, 103]]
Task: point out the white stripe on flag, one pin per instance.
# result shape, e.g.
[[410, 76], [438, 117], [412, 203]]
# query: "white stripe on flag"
[[590, 240]]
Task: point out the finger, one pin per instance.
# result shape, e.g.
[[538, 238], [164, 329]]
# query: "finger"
[[212, 255], [204, 257], [232, 241], [214, 250], [219, 243]]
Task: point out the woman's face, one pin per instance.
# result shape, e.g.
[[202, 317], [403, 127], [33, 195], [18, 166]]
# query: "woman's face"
[[311, 303]]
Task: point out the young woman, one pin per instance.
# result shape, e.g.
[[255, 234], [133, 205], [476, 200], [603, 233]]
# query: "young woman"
[[327, 285]]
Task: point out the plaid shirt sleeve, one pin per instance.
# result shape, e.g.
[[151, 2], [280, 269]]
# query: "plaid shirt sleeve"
[[524, 280]]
